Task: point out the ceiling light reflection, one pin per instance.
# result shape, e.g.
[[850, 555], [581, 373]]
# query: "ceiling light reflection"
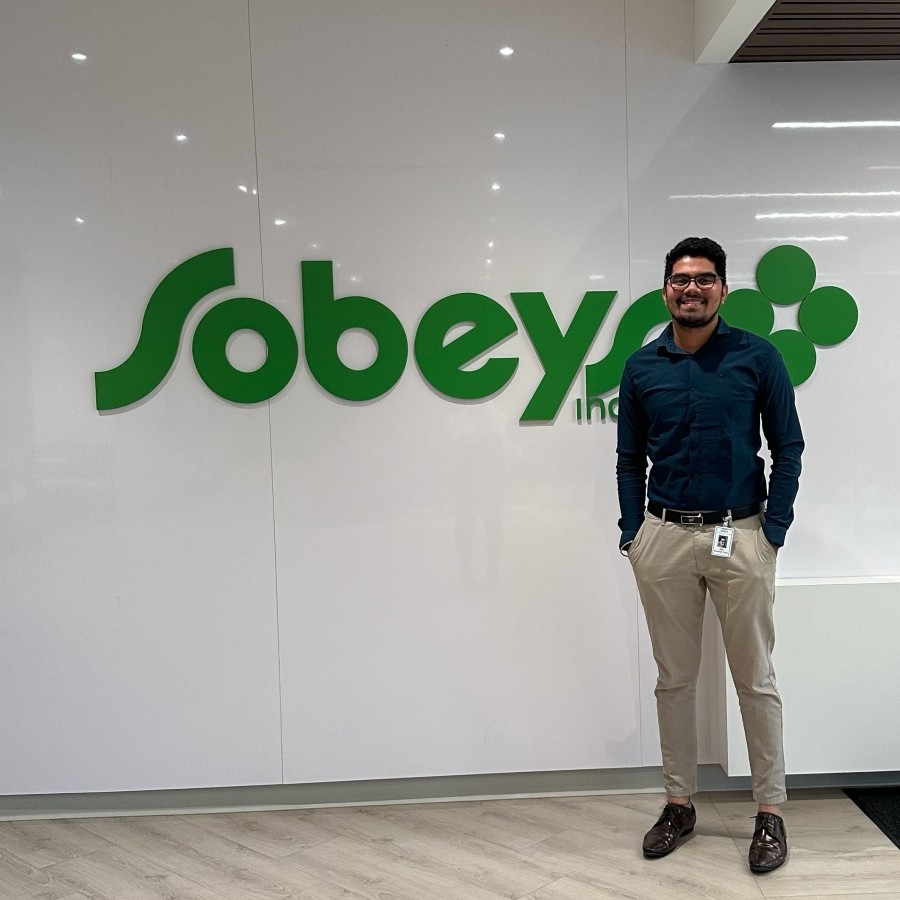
[[506, 51], [79, 220], [865, 124], [499, 135], [181, 138], [242, 187], [830, 215], [784, 195], [781, 240], [280, 222], [495, 186], [79, 57]]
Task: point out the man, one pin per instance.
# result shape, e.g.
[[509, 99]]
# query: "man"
[[692, 402]]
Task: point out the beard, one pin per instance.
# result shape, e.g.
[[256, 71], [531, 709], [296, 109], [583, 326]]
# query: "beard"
[[698, 316]]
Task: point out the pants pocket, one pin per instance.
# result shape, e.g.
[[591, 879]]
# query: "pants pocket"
[[766, 550]]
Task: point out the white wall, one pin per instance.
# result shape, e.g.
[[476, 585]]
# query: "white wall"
[[197, 593]]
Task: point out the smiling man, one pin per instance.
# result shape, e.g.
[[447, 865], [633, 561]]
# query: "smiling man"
[[693, 402]]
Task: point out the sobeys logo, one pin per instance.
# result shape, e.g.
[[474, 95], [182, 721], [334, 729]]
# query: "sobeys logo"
[[785, 275]]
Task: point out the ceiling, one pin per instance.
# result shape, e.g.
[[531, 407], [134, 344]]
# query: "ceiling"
[[813, 30]]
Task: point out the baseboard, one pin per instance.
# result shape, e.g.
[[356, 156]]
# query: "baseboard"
[[400, 790]]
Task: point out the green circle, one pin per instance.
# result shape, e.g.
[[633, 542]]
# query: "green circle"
[[798, 353], [786, 274], [750, 310], [211, 340], [828, 316]]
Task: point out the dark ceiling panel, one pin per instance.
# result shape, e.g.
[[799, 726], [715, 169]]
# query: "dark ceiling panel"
[[806, 31]]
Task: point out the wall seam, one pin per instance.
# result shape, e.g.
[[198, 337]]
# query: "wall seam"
[[262, 275], [635, 598]]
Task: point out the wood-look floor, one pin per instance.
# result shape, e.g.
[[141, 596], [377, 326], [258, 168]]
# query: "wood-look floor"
[[571, 848]]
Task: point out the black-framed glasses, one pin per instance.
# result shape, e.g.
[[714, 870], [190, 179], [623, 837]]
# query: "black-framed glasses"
[[704, 281]]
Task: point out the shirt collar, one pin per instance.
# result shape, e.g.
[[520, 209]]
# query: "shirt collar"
[[665, 343]]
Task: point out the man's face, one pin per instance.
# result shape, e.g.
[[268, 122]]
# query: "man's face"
[[694, 306]]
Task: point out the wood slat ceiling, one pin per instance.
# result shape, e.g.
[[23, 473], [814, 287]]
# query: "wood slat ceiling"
[[806, 31]]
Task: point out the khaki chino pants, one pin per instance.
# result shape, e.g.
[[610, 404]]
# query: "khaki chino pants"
[[674, 569]]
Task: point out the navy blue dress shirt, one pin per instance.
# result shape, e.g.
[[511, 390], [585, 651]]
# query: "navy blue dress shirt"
[[697, 418]]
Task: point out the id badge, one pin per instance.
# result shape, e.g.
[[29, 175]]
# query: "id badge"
[[723, 537]]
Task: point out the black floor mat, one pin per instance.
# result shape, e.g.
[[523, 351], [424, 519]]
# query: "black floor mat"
[[882, 806]]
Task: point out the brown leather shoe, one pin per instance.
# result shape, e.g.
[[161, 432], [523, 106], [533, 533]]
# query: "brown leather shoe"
[[675, 822], [768, 849]]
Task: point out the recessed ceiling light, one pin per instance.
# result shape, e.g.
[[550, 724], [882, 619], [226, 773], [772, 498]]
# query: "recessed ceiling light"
[[495, 186], [181, 138], [506, 51], [79, 220], [242, 187], [499, 135], [79, 57], [280, 221]]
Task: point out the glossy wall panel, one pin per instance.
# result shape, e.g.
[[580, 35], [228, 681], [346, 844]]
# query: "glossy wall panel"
[[139, 645], [438, 561]]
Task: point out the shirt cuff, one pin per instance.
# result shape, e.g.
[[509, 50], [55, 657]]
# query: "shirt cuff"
[[775, 535], [626, 539]]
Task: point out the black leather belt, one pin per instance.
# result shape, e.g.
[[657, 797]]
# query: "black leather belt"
[[702, 517]]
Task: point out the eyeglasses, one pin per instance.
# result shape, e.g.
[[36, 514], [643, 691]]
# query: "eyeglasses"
[[704, 281]]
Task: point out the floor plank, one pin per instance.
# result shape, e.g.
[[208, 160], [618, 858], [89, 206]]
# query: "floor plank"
[[202, 857], [115, 875], [22, 881], [43, 842], [275, 834], [476, 861], [363, 865]]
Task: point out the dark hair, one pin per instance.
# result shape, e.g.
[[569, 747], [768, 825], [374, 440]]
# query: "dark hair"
[[697, 246]]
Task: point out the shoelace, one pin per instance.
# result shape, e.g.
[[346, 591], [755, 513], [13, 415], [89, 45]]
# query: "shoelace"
[[767, 827], [674, 810]]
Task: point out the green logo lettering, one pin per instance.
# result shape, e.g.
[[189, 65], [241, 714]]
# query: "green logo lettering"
[[561, 355], [157, 346], [326, 319], [785, 276], [441, 364]]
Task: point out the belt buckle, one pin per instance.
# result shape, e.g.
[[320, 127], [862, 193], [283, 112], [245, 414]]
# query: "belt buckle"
[[692, 519]]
